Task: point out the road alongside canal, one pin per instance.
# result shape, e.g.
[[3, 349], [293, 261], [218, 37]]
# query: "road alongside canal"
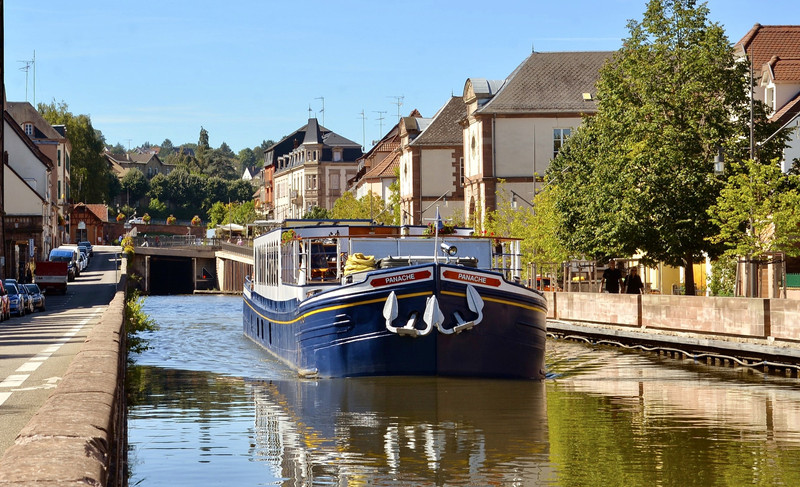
[[36, 349]]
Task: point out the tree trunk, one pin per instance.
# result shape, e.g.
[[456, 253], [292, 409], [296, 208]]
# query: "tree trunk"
[[689, 276]]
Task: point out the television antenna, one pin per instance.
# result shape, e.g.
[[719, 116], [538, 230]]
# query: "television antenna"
[[363, 131], [27, 67], [398, 100], [380, 121]]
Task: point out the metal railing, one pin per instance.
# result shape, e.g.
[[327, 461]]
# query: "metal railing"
[[169, 241]]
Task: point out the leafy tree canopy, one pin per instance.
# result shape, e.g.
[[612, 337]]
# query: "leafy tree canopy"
[[758, 211], [88, 171], [638, 176], [536, 225], [367, 207], [135, 185], [316, 213]]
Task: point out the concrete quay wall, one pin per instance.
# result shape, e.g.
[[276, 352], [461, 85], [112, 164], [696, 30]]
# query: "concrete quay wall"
[[78, 437], [771, 321]]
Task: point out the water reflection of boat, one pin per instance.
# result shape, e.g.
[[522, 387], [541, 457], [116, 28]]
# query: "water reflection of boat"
[[355, 299], [403, 431]]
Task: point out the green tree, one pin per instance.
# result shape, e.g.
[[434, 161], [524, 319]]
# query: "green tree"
[[394, 199], [637, 177], [368, 207], [159, 188], [536, 225], [246, 158], [118, 150], [186, 190], [221, 163], [347, 207], [157, 209], [758, 211], [316, 213], [89, 171], [134, 185], [166, 149], [239, 213], [240, 190], [216, 189]]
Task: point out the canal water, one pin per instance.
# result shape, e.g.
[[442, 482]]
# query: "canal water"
[[208, 407]]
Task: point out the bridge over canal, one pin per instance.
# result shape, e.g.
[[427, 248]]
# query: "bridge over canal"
[[184, 264]]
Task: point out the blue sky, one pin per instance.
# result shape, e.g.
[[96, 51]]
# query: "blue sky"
[[248, 70]]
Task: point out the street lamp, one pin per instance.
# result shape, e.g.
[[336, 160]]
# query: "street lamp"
[[514, 197]]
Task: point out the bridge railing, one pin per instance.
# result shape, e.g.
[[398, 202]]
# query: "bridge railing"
[[175, 241], [241, 247]]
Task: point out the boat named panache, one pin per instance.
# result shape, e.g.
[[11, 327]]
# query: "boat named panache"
[[349, 298]]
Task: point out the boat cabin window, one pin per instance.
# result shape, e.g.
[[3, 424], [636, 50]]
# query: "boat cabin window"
[[309, 260], [323, 260]]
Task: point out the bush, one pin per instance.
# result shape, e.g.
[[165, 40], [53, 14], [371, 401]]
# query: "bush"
[[723, 277], [137, 321]]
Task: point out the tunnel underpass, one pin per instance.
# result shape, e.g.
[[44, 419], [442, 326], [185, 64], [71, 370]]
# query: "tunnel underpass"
[[171, 275]]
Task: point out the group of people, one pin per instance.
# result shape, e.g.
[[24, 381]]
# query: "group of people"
[[613, 281]]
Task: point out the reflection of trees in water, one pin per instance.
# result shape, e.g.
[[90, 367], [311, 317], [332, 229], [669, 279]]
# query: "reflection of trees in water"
[[181, 389], [641, 419]]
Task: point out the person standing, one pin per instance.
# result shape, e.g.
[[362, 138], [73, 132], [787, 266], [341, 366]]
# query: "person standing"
[[612, 279], [633, 284]]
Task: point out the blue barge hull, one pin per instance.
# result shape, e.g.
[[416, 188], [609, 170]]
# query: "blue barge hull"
[[346, 334]]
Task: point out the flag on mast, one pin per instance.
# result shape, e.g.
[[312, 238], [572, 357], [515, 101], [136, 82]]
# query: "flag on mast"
[[439, 223]]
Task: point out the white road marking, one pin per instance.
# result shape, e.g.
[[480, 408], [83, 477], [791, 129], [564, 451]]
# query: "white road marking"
[[29, 366], [14, 380]]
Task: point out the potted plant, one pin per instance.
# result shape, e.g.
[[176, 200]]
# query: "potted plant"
[[287, 236], [120, 217], [171, 220], [196, 220], [146, 218]]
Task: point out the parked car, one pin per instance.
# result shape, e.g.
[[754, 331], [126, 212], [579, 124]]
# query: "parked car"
[[24, 297], [88, 245], [16, 300], [70, 256], [81, 251], [83, 262], [37, 296], [5, 312], [23, 291]]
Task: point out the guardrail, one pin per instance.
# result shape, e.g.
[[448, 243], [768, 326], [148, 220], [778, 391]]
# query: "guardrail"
[[175, 241], [244, 249]]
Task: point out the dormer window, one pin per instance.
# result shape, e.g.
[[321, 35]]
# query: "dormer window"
[[28, 127], [769, 99], [337, 155]]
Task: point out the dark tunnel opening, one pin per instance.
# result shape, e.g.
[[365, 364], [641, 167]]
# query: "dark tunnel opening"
[[171, 275]]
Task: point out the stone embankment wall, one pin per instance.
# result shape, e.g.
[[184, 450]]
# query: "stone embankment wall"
[[747, 318], [78, 437]]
